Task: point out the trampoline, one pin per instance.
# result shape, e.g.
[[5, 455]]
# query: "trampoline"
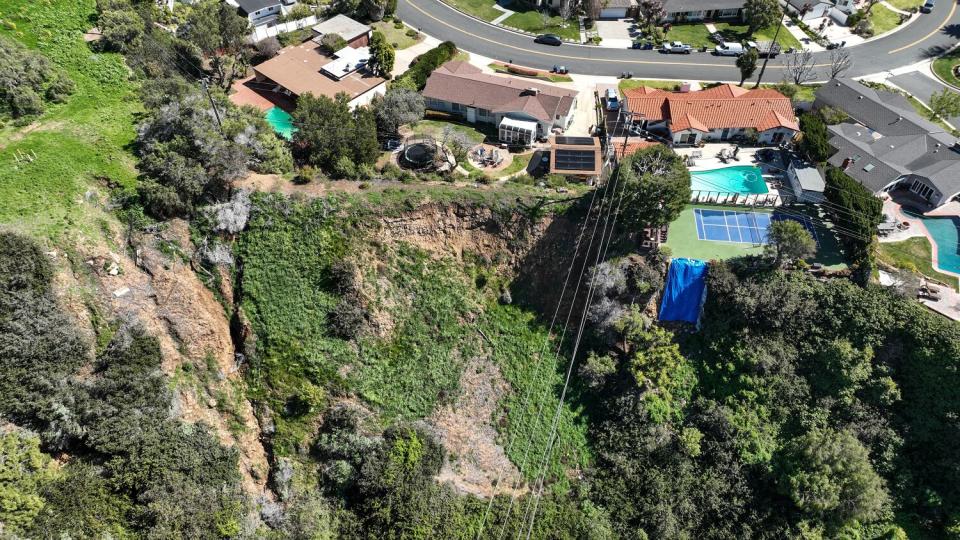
[[742, 227], [419, 156]]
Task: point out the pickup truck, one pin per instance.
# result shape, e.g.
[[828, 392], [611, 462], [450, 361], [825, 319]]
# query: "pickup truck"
[[676, 47], [765, 48]]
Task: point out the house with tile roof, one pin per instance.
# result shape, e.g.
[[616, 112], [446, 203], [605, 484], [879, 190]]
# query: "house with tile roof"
[[523, 111], [885, 145], [722, 113]]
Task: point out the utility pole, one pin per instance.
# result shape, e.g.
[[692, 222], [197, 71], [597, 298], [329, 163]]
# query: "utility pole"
[[216, 113], [767, 59]]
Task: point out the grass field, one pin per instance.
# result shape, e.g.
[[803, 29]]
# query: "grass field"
[[906, 5], [531, 21], [396, 36], [80, 145], [944, 66], [519, 163], [482, 9], [915, 255], [883, 19], [627, 84], [434, 128]]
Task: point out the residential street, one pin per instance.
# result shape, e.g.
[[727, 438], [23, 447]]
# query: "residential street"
[[927, 37]]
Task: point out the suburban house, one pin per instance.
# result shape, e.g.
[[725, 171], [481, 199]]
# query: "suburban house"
[[699, 10], [578, 157], [356, 34], [523, 111], [306, 68], [260, 12], [885, 145], [816, 9], [722, 113], [616, 9]]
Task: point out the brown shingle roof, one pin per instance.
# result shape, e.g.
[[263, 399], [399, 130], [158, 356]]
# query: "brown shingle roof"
[[724, 106], [297, 68], [459, 82]]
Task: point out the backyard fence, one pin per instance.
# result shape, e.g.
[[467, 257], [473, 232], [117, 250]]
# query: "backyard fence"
[[261, 33], [736, 199]]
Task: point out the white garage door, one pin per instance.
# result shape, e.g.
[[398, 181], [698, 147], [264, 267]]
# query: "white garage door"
[[613, 13]]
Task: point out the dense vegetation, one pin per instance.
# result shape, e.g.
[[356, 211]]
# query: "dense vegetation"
[[27, 80], [415, 78], [133, 470]]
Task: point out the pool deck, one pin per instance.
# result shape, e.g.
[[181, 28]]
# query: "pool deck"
[[709, 160], [245, 92], [917, 229]]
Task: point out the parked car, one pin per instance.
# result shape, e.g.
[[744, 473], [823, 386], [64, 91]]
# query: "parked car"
[[728, 49], [677, 47], [613, 99], [549, 39], [928, 6], [765, 48], [561, 70]]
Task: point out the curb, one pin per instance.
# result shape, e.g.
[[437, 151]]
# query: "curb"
[[509, 28]]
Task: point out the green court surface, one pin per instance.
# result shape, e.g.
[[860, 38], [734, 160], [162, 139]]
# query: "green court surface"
[[683, 240]]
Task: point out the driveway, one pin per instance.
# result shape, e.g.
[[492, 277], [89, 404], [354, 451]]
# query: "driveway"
[[922, 86], [615, 33]]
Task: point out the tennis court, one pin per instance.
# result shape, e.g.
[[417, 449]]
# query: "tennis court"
[[740, 226]]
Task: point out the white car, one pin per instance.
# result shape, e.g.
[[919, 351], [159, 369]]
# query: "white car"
[[728, 49]]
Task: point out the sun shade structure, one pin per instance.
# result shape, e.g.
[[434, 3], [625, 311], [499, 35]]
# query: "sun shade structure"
[[514, 131]]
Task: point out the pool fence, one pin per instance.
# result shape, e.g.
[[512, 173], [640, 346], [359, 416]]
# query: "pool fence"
[[736, 199]]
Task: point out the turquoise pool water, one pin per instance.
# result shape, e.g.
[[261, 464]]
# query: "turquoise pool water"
[[281, 121], [946, 233], [738, 179]]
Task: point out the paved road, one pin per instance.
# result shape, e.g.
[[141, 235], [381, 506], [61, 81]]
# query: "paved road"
[[921, 86], [929, 36]]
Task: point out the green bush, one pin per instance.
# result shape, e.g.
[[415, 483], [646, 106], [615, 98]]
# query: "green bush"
[[27, 79], [422, 66]]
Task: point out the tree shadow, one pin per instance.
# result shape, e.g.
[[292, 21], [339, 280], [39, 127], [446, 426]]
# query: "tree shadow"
[[952, 30]]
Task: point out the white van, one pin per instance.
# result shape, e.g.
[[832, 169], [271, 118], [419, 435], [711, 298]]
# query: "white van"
[[728, 49], [613, 99]]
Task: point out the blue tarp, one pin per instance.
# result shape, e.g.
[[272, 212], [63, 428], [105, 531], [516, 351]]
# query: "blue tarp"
[[686, 289]]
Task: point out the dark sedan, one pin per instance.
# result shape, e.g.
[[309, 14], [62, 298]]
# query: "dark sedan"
[[549, 39]]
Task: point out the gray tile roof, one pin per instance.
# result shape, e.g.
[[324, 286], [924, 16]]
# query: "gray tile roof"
[[252, 6], [674, 6], [886, 112]]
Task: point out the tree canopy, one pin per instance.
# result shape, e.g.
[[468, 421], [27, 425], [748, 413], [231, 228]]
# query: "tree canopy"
[[656, 186]]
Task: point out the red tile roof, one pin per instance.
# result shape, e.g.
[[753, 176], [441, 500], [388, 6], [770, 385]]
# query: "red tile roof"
[[724, 106], [632, 147]]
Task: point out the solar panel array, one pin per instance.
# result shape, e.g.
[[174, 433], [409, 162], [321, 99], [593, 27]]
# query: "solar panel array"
[[574, 160], [578, 141]]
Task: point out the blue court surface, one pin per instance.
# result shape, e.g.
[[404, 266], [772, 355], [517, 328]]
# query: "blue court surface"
[[740, 226]]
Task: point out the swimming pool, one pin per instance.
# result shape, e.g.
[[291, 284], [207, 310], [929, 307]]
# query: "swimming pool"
[[738, 179], [946, 233], [281, 121]]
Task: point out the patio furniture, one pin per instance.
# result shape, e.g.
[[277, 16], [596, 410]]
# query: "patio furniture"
[[884, 229]]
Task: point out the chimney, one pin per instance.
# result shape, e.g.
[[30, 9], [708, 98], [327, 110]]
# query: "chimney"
[[532, 91], [846, 163]]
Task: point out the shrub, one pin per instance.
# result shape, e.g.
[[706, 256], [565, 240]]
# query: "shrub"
[[345, 168], [332, 43], [412, 33], [305, 175], [517, 70], [422, 66], [398, 25], [26, 79]]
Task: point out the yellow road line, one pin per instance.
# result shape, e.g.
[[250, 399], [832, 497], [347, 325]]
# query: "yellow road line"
[[564, 56], [953, 8]]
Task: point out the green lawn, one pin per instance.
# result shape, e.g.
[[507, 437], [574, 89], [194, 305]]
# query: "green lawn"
[[627, 84], [796, 92], [532, 21], [482, 9], [905, 5], [883, 20], [519, 163], [944, 65], [434, 128], [741, 32], [693, 34], [80, 145], [396, 36], [915, 255]]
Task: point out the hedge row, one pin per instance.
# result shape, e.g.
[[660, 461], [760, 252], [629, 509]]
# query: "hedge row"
[[423, 65]]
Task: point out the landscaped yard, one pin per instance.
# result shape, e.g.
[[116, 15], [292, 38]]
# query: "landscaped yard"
[[434, 128], [741, 32], [944, 65], [543, 76], [396, 36], [482, 9], [905, 5], [693, 34], [913, 254], [883, 19], [519, 163], [531, 21], [627, 84]]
